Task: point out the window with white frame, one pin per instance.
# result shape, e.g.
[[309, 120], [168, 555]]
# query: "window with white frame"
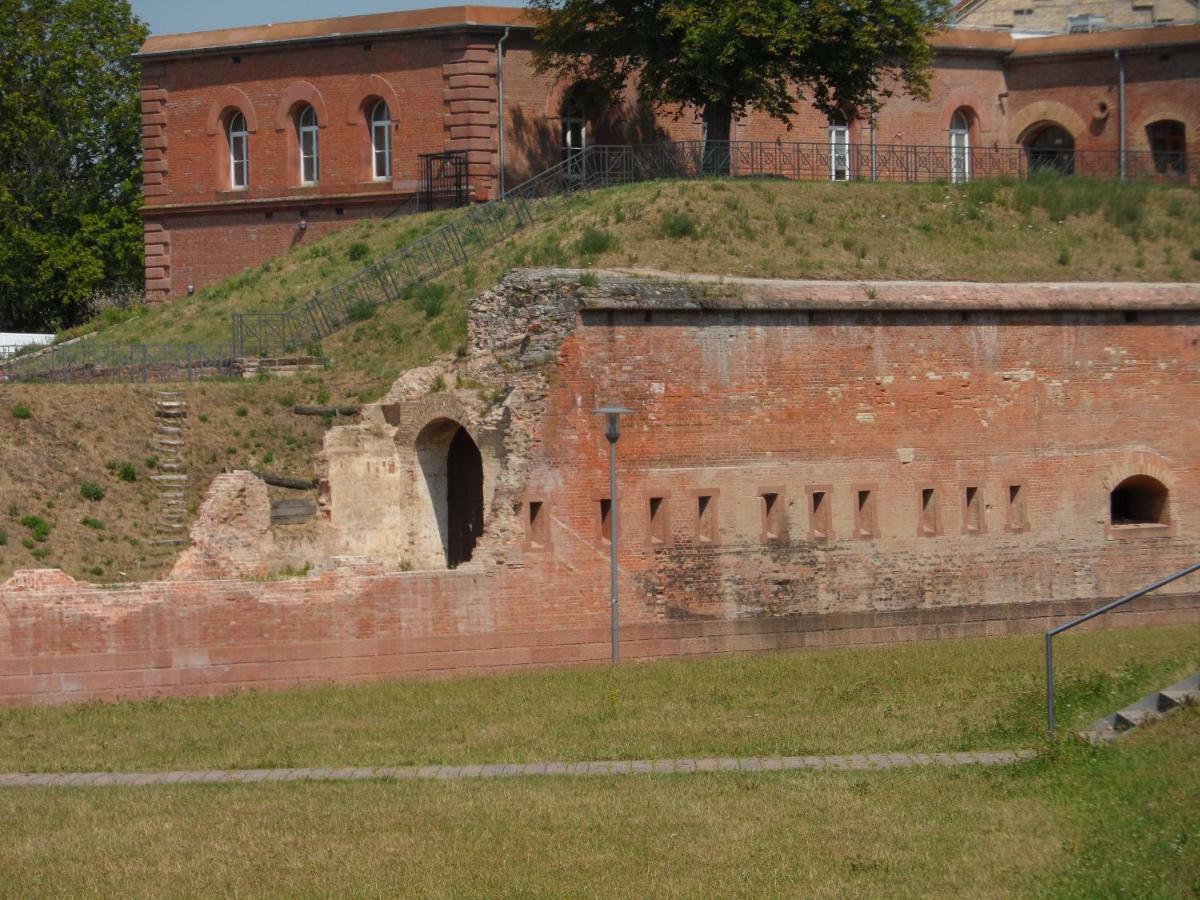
[[381, 141], [310, 146], [239, 152], [960, 148], [839, 149]]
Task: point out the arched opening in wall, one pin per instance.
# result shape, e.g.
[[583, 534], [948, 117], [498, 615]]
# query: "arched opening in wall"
[[1139, 500], [308, 134], [839, 147], [1050, 148], [1168, 146], [380, 122], [573, 118], [960, 145], [237, 136], [452, 466]]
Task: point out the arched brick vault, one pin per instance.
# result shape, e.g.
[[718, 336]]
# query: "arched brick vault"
[[412, 417], [1046, 112], [1166, 110], [300, 92], [230, 97], [371, 86]]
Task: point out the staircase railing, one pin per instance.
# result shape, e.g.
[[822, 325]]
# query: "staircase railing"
[[1108, 607]]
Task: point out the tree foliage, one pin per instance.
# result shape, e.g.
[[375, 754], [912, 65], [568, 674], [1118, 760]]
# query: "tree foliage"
[[730, 56], [70, 170]]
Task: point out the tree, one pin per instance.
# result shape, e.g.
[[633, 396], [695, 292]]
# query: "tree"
[[70, 169], [730, 56]]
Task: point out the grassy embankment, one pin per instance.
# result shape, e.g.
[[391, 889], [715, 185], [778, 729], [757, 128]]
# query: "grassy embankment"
[[1113, 821], [983, 231]]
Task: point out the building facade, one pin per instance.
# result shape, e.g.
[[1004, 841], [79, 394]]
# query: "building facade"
[[257, 139], [1073, 16]]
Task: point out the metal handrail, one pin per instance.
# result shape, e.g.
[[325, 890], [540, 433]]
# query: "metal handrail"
[[1108, 607]]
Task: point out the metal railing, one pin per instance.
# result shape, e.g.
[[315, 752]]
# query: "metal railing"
[[270, 334], [1054, 632], [87, 362]]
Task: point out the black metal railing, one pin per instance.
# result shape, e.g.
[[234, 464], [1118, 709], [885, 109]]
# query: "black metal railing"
[[88, 362], [1108, 607], [272, 334]]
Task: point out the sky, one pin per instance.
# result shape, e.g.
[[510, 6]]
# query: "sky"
[[171, 16]]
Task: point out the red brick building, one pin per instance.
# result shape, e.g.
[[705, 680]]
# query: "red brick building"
[[258, 138]]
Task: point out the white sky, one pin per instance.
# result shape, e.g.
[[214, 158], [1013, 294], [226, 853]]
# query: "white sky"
[[171, 16]]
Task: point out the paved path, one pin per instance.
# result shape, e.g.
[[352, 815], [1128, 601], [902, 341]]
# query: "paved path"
[[446, 773]]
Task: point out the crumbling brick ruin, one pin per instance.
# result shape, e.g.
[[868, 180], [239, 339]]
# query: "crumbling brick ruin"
[[805, 464]]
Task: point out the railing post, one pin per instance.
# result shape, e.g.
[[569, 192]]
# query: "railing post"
[[1050, 684]]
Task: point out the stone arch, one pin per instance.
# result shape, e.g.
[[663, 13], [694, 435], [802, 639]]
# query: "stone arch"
[[364, 91], [1167, 111], [1141, 468], [1045, 112], [1140, 500], [300, 92], [230, 97], [969, 100], [451, 465]]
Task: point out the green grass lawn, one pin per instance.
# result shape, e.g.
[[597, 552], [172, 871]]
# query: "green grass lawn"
[[1079, 822], [981, 694]]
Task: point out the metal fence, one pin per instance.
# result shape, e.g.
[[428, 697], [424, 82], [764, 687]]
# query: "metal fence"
[[472, 231], [88, 362]]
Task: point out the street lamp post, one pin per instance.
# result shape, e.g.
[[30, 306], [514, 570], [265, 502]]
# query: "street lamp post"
[[613, 433]]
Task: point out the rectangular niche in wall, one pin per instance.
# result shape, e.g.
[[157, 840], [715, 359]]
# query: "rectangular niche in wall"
[[929, 524], [774, 514], [605, 505], [707, 527], [537, 525], [820, 515], [660, 529], [973, 510], [1018, 519], [866, 510]]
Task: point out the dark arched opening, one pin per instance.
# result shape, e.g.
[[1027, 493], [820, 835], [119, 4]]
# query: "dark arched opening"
[[464, 499], [1051, 148], [1139, 500], [1168, 144]]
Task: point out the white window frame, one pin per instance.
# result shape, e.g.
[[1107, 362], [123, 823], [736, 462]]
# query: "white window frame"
[[574, 118], [960, 148], [839, 150], [381, 141], [239, 152], [308, 129]]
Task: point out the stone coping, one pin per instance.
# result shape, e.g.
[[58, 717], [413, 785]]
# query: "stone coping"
[[648, 289]]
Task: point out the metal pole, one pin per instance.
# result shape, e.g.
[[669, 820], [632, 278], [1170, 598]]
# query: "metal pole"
[[612, 515], [500, 106], [1050, 684], [1121, 110]]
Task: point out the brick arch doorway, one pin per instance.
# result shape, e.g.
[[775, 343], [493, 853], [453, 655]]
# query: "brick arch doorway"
[[452, 466]]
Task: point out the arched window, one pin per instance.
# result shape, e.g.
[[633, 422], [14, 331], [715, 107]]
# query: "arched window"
[[1139, 500], [839, 148], [1051, 148], [310, 145], [574, 129], [381, 141], [239, 152], [1168, 144], [960, 147]]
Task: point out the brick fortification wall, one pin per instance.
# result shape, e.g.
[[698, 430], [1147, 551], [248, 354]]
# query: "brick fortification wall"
[[935, 401]]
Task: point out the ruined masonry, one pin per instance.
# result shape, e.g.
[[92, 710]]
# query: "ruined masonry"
[[170, 417]]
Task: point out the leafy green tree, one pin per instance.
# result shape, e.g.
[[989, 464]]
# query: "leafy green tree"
[[730, 56], [70, 157]]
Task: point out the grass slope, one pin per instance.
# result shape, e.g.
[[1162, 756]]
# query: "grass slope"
[[1043, 230], [984, 694], [1078, 822]]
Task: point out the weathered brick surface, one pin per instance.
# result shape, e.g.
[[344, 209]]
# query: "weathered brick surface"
[[735, 393]]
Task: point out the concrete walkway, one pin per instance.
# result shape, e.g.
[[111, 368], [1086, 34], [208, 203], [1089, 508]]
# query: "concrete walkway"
[[447, 773]]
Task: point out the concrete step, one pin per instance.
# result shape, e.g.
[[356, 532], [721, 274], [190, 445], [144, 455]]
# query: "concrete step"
[[1147, 709]]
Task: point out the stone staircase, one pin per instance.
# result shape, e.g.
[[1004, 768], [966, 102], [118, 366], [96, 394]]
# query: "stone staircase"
[[170, 413], [1152, 706]]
